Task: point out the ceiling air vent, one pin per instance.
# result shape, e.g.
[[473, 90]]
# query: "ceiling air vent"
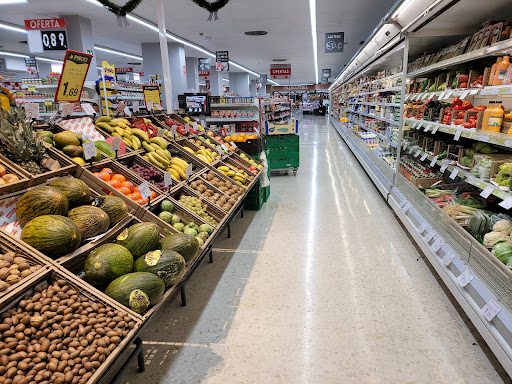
[[279, 60], [256, 33]]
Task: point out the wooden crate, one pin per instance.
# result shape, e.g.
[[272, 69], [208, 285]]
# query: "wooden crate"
[[22, 183], [420, 182]]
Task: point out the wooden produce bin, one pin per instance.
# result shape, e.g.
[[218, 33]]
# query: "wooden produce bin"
[[213, 190], [22, 183], [96, 304]]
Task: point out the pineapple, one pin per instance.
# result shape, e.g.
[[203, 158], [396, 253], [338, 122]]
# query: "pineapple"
[[19, 142]]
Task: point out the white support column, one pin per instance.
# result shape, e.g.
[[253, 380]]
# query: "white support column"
[[192, 73], [239, 83], [166, 68]]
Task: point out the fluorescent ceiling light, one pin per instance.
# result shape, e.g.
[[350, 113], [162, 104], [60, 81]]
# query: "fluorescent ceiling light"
[[49, 60], [109, 50], [142, 22], [3, 2], [401, 8], [13, 54], [312, 15], [243, 68], [273, 82], [12, 28]]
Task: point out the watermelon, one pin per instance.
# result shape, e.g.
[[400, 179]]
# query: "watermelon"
[[186, 245], [53, 235], [167, 265], [91, 221], [140, 238], [44, 200], [106, 263], [77, 192], [114, 206], [137, 291]]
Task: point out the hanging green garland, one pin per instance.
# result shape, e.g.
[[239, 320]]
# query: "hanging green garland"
[[121, 11], [212, 7]]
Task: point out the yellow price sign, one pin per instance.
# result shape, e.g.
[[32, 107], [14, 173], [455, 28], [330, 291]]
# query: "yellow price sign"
[[152, 93], [75, 68], [19, 94], [48, 103], [31, 89]]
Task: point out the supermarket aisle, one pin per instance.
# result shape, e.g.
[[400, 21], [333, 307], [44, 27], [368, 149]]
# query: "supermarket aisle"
[[321, 286]]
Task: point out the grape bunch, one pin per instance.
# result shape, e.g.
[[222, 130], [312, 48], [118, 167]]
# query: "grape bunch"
[[149, 174], [196, 206]]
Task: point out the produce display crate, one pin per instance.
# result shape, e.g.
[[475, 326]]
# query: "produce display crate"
[[185, 215], [420, 181], [185, 143], [22, 183], [33, 258], [255, 202], [129, 160], [252, 146], [215, 190], [53, 275], [241, 161], [237, 167]]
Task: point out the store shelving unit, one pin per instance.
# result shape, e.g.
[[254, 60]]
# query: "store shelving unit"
[[477, 279], [230, 110]]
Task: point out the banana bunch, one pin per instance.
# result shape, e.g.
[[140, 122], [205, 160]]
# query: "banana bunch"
[[157, 153], [168, 134], [204, 154], [240, 178], [178, 169], [120, 128]]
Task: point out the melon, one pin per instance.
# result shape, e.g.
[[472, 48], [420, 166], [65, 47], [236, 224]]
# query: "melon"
[[43, 200], [52, 235], [91, 221], [114, 206], [167, 265], [140, 238], [77, 192], [106, 263], [186, 245]]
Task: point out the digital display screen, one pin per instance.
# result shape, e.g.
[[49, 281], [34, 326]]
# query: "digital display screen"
[[197, 104]]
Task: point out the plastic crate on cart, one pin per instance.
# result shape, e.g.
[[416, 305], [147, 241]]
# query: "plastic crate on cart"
[[281, 140], [267, 192], [255, 202], [290, 160]]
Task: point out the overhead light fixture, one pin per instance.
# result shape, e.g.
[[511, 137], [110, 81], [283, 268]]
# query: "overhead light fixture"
[[279, 60], [49, 60], [13, 54], [273, 82], [12, 27], [401, 8], [109, 50], [312, 16], [243, 68], [256, 33], [4, 2]]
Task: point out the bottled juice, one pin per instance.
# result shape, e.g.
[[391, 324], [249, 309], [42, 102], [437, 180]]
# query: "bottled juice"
[[495, 119], [485, 119], [493, 70], [501, 70]]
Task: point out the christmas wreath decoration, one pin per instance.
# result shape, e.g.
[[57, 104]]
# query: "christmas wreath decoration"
[[118, 10], [212, 7]]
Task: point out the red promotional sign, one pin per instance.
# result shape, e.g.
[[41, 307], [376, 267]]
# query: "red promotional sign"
[[45, 24], [124, 69], [204, 73], [280, 71]]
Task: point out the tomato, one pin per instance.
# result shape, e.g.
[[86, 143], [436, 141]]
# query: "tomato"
[[480, 107], [463, 78], [460, 115], [459, 122], [467, 124], [463, 85]]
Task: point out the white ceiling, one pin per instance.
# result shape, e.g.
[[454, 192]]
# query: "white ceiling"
[[287, 23]]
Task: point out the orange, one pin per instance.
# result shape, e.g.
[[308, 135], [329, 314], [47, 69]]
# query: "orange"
[[115, 183], [227, 138], [153, 194], [234, 138], [137, 195], [107, 170], [142, 201], [128, 184], [105, 176], [119, 177], [124, 190]]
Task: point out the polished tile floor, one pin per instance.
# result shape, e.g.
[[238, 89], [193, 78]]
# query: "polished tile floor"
[[320, 286]]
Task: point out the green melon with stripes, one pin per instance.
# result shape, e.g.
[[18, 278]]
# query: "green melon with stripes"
[[77, 192], [41, 201], [52, 235], [140, 238]]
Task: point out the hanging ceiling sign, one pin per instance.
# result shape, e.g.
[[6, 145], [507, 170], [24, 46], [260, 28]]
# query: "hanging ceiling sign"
[[71, 81], [326, 73], [46, 34], [263, 79], [334, 42], [124, 70], [31, 64], [204, 74], [280, 71], [204, 64], [222, 61]]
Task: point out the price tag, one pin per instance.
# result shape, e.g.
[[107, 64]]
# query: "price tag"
[[487, 191], [437, 245], [174, 130], [144, 190], [427, 128], [457, 135], [443, 167], [507, 203], [442, 95], [187, 128], [224, 147], [465, 278], [484, 138], [89, 150], [494, 91], [464, 94], [158, 107], [48, 103], [474, 91], [406, 97], [194, 125], [31, 89], [508, 143], [74, 70], [422, 227], [430, 235], [188, 170], [67, 109], [411, 149], [116, 144], [449, 94], [425, 155], [415, 124], [167, 179], [448, 258], [149, 105], [434, 161], [417, 153], [454, 173], [135, 106], [424, 96], [32, 110], [119, 108], [86, 107], [491, 309], [127, 111], [420, 124], [160, 133], [436, 127], [219, 150]]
